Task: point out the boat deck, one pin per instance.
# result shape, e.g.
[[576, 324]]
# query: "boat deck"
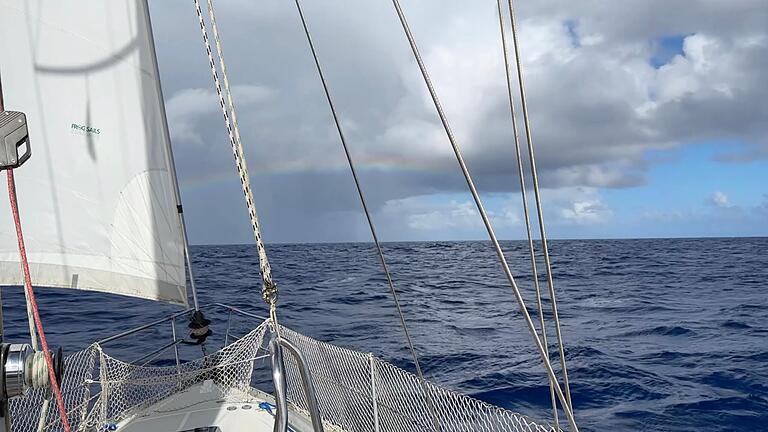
[[204, 408]]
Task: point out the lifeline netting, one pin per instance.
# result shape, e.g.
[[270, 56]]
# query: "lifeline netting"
[[356, 392], [100, 390]]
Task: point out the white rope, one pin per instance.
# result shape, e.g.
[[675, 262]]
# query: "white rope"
[[37, 377], [273, 318], [31, 322], [526, 213], [37, 364], [269, 288], [539, 212]]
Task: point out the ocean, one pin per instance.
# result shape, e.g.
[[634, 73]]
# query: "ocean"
[[660, 334]]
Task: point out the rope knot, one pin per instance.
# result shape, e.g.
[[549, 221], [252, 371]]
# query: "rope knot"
[[269, 293]]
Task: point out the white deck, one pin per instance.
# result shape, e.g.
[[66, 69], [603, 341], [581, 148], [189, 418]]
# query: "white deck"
[[202, 408]]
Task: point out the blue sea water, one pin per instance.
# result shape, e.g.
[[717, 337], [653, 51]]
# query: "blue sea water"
[[661, 334]]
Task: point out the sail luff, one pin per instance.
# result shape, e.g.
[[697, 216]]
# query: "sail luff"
[[169, 156]]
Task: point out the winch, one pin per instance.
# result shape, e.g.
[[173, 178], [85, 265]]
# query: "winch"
[[21, 368]]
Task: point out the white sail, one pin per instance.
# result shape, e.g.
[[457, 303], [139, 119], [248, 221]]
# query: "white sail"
[[97, 199]]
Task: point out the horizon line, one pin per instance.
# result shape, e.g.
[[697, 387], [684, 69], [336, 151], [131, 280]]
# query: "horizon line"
[[288, 243]]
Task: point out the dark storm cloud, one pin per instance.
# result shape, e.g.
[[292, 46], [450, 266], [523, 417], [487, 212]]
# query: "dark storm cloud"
[[597, 104]]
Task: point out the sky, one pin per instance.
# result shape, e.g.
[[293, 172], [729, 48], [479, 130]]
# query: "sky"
[[648, 118]]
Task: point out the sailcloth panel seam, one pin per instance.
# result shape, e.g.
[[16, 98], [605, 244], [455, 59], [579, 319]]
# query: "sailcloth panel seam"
[[55, 276]]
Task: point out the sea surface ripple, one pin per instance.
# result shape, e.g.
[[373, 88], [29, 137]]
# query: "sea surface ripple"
[[660, 334]]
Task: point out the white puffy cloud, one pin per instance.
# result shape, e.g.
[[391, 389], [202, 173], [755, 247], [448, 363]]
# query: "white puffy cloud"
[[451, 215], [718, 215], [719, 199], [596, 102], [584, 206], [600, 97], [457, 216]]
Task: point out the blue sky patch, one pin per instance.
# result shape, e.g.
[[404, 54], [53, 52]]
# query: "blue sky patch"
[[666, 48]]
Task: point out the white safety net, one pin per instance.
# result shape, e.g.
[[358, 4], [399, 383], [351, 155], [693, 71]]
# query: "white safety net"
[[76, 384], [128, 389], [100, 391], [356, 392]]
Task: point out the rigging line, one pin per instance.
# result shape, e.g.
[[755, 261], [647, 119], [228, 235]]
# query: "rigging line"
[[31, 321], [33, 302], [368, 217], [30, 316], [483, 214], [2, 325], [539, 212], [2, 322], [269, 288], [524, 197], [171, 164]]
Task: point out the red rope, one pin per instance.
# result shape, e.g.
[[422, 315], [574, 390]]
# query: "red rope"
[[33, 302]]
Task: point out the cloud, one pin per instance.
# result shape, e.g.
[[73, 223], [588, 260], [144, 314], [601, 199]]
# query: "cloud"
[[720, 200], [452, 215], [186, 109], [423, 214], [456, 216], [763, 207], [600, 98], [577, 206], [716, 206], [586, 212]]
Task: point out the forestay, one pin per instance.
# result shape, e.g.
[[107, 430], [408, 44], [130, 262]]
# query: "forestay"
[[97, 198]]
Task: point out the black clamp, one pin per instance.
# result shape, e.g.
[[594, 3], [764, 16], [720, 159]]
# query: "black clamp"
[[198, 328], [14, 139]]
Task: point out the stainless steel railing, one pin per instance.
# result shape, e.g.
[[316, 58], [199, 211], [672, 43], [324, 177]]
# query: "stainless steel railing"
[[175, 341], [276, 346], [176, 315]]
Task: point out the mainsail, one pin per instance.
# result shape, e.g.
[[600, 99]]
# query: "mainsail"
[[98, 197]]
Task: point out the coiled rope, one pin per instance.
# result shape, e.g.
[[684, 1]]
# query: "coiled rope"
[[269, 290], [483, 213], [363, 203], [37, 378], [526, 213], [31, 296]]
